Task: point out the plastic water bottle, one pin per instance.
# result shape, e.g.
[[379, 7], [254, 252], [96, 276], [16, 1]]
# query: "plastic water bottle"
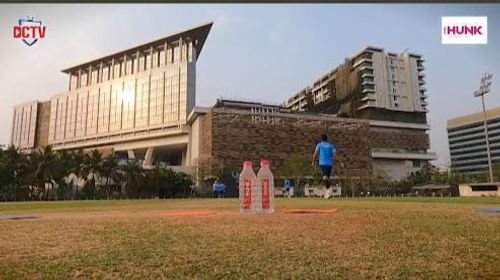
[[265, 185], [247, 189]]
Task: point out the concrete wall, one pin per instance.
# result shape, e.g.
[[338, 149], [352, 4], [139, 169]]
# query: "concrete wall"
[[393, 168], [195, 141], [398, 138], [235, 136], [466, 190]]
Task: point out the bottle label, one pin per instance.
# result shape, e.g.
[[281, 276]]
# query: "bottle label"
[[265, 194], [247, 194]]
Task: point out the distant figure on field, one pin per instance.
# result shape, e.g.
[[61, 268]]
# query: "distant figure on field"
[[325, 152], [289, 187], [218, 188]]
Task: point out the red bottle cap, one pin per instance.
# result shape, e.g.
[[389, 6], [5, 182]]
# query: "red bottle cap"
[[247, 164], [264, 163]]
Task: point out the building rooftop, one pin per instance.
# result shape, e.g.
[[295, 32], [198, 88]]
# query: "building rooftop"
[[246, 104], [198, 34], [474, 118]]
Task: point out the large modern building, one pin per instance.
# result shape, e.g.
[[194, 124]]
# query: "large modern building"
[[140, 104], [467, 141], [372, 84], [385, 88], [135, 102]]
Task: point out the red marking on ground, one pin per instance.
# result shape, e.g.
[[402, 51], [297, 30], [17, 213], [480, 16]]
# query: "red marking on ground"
[[187, 213], [312, 211]]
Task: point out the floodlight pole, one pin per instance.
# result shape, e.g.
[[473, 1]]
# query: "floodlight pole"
[[484, 88], [487, 141]]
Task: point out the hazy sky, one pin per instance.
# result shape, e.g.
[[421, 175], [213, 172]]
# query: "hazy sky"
[[254, 52]]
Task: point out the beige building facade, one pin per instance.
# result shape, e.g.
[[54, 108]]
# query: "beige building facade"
[[135, 101], [23, 128]]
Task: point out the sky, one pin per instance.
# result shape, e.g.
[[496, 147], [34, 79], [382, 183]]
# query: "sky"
[[254, 52]]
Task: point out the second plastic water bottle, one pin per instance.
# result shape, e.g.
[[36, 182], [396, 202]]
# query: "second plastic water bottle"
[[265, 186]]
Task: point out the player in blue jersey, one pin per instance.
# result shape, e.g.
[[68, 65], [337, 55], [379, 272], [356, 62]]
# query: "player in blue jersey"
[[325, 153]]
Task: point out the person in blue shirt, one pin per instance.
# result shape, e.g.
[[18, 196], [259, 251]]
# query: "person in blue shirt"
[[289, 187], [325, 153], [218, 188]]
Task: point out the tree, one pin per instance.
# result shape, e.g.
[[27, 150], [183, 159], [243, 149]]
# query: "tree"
[[91, 171], [13, 168], [298, 167], [109, 173], [379, 183], [132, 175], [496, 171], [429, 174], [207, 169], [426, 175], [3, 174], [171, 184], [67, 168], [78, 170], [44, 168]]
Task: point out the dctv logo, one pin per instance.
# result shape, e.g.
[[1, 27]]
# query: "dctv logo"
[[29, 30]]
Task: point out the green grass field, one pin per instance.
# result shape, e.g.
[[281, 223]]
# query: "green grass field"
[[382, 238]]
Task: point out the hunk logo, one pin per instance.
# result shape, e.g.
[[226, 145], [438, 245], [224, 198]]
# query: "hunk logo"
[[29, 30], [464, 30]]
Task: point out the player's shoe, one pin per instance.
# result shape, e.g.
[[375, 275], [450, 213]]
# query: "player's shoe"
[[328, 193]]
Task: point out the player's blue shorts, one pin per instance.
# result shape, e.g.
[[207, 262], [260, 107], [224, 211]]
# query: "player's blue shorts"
[[326, 170]]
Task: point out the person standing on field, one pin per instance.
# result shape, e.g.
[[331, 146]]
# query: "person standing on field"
[[325, 153]]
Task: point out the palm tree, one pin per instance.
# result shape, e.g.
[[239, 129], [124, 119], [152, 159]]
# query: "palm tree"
[[92, 170], [13, 165], [3, 173], [132, 175], [78, 168], [44, 170], [68, 170], [109, 172]]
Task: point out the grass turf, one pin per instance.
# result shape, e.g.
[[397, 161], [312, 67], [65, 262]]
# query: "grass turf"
[[393, 238]]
